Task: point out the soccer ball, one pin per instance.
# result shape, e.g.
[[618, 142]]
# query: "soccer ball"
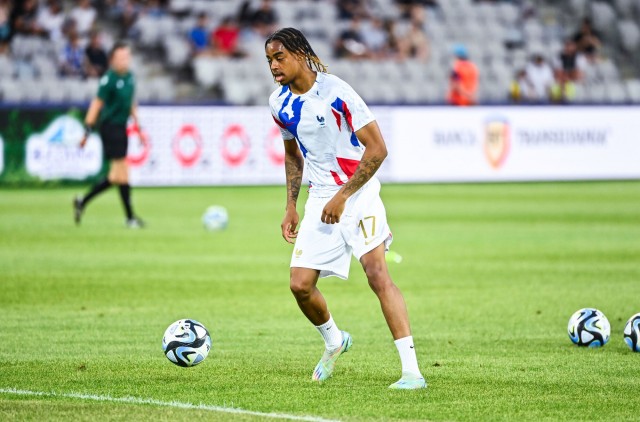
[[215, 218], [632, 333], [589, 327], [186, 342]]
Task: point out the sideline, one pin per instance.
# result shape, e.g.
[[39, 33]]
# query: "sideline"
[[175, 404]]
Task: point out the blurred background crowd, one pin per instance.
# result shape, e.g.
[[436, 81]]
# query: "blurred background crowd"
[[391, 51]]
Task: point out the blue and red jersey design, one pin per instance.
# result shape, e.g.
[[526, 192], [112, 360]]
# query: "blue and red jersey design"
[[323, 122]]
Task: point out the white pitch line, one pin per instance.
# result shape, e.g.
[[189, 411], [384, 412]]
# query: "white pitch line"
[[175, 404]]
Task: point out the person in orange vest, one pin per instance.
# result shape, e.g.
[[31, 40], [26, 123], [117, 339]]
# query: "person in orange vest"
[[463, 82]]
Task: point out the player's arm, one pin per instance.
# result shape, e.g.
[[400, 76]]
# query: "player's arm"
[[134, 114], [374, 155], [91, 118], [293, 166]]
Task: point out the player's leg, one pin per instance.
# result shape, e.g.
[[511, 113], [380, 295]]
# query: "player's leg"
[[119, 174], [391, 299], [303, 284], [395, 313], [80, 202]]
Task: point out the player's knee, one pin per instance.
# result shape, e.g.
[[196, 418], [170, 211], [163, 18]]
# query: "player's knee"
[[378, 277], [300, 288]]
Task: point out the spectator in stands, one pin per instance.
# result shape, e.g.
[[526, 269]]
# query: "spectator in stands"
[[84, 15], [463, 80], [5, 23], [25, 18], [540, 78], [264, 19], [51, 19], [374, 37], [392, 47], [406, 6], [97, 61], [71, 60], [520, 89], [224, 39], [568, 70], [350, 9], [199, 35], [350, 44], [415, 44], [154, 9], [586, 38]]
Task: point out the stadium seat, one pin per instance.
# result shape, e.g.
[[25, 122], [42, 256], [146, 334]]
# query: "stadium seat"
[[629, 35], [616, 93], [162, 88], [603, 16], [150, 31], [7, 69], [208, 71], [579, 7], [177, 50], [508, 13], [242, 92], [53, 91], [624, 7], [633, 90]]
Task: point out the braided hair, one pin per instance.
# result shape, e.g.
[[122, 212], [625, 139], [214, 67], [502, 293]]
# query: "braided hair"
[[295, 41]]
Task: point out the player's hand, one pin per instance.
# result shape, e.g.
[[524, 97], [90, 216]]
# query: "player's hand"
[[83, 142], [333, 210], [289, 225]]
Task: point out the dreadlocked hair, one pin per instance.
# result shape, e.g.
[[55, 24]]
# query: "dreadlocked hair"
[[295, 41]]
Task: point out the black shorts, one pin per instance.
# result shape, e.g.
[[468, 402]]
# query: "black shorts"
[[114, 140]]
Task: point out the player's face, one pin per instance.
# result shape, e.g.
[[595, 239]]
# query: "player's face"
[[283, 64], [121, 60]]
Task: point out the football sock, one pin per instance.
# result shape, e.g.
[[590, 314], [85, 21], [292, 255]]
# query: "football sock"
[[331, 334], [408, 356], [125, 195], [95, 190]]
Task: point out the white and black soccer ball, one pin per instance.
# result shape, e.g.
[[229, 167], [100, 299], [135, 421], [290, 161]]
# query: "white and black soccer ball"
[[632, 333], [186, 342], [215, 218], [589, 327]]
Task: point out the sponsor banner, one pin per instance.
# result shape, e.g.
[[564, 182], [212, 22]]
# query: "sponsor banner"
[[55, 154], [515, 143], [213, 146], [201, 145], [205, 146]]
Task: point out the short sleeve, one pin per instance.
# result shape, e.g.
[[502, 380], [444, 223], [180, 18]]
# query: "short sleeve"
[[286, 135], [103, 88], [355, 110]]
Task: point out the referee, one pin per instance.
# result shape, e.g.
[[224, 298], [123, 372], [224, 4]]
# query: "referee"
[[112, 108]]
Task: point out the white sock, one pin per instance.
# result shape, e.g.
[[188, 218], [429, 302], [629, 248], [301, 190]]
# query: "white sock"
[[408, 356], [330, 333]]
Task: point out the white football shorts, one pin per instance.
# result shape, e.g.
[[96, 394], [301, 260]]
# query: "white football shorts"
[[328, 247]]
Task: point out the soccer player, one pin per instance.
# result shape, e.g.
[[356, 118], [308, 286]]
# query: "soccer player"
[[329, 129], [112, 108]]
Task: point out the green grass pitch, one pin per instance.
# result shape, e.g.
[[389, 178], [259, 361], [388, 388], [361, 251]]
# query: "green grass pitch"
[[491, 275]]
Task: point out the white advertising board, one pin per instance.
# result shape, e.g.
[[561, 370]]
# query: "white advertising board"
[[206, 146], [515, 143], [242, 146], [55, 154]]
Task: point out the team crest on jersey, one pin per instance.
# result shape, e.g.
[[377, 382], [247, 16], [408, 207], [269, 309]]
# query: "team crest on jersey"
[[320, 120]]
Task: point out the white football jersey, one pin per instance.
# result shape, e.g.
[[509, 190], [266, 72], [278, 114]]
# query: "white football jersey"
[[323, 122]]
